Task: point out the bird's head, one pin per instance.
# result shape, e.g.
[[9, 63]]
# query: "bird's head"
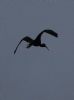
[[44, 45]]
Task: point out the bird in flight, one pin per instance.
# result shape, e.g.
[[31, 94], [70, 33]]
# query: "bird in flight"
[[37, 40]]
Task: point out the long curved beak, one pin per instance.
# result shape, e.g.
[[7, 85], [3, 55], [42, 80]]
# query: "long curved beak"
[[47, 48]]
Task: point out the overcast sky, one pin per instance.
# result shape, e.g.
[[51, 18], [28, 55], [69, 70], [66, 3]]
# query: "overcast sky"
[[35, 73]]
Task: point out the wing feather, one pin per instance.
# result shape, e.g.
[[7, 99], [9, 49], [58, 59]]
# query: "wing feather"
[[51, 32], [27, 39]]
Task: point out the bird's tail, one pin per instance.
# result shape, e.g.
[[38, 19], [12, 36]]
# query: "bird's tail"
[[17, 46], [28, 46]]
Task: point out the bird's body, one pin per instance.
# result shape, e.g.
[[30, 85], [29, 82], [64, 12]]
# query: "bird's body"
[[37, 40]]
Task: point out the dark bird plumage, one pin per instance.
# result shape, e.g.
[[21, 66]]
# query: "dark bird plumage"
[[37, 40]]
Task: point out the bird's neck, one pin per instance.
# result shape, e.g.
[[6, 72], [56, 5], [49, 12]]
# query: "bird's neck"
[[41, 45]]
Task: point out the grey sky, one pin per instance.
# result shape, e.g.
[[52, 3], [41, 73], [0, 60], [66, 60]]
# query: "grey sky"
[[35, 73]]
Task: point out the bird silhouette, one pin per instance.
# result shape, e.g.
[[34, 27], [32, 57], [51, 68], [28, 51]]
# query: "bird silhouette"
[[37, 40]]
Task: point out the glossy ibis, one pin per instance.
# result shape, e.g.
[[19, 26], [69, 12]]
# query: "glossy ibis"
[[37, 40]]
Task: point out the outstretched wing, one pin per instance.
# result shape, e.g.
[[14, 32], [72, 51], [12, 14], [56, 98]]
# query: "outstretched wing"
[[38, 38], [51, 32], [27, 39]]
